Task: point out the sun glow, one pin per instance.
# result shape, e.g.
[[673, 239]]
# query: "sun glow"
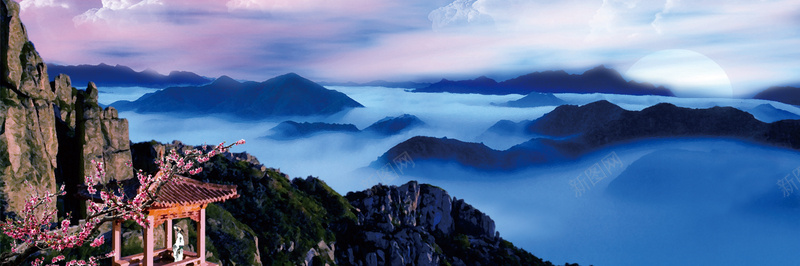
[[686, 73]]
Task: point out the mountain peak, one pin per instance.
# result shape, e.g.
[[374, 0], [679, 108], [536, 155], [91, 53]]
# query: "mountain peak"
[[290, 75], [602, 71], [787, 94], [224, 82]]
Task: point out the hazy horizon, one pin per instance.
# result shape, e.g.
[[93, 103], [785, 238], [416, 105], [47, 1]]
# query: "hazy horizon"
[[742, 46]]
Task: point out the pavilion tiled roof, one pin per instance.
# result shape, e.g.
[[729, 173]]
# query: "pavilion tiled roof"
[[186, 191], [181, 191]]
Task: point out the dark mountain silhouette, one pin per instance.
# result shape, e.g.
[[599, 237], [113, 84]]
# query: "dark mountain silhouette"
[[508, 127], [121, 76], [571, 131], [480, 85], [381, 83], [788, 95], [286, 95], [293, 130], [394, 125], [388, 126], [534, 99], [597, 80], [568, 120], [446, 150]]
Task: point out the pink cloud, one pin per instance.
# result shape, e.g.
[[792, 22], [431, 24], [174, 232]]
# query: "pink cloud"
[[365, 39]]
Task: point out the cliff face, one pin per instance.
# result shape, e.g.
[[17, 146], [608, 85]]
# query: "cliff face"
[[48, 128], [28, 143], [420, 224], [103, 136]]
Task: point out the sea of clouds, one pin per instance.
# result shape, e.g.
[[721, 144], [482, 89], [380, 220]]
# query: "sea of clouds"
[[705, 202]]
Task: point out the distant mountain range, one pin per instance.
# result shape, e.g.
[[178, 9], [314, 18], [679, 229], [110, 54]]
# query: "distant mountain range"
[[380, 83], [597, 80], [388, 126], [534, 99], [121, 76], [285, 95], [787, 95], [768, 113], [570, 131]]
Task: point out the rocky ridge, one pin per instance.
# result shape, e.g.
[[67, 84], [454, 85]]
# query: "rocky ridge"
[[50, 130], [421, 224]]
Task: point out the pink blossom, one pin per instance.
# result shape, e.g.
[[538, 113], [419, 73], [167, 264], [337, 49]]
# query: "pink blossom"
[[33, 225], [195, 171], [97, 242]]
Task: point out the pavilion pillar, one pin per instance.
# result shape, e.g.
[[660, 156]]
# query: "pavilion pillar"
[[148, 242], [116, 239], [201, 236], [168, 234]]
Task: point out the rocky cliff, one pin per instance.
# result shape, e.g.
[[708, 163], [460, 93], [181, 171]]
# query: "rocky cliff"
[[28, 143], [49, 131], [420, 224]]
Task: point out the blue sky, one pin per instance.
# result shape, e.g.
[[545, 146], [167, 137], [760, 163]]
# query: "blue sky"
[[754, 42]]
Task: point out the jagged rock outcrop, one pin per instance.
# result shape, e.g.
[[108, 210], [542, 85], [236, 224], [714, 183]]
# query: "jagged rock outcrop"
[[103, 136], [28, 142], [49, 130], [420, 224]]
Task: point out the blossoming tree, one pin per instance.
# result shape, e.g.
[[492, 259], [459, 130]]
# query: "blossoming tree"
[[34, 234]]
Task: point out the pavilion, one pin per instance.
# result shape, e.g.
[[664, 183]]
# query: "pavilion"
[[180, 198]]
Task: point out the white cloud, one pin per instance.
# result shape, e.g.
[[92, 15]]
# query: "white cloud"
[[660, 15], [246, 5], [115, 9], [459, 13], [24, 4], [317, 7]]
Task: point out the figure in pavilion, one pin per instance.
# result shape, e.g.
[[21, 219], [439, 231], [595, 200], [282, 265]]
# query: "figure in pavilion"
[[177, 248]]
